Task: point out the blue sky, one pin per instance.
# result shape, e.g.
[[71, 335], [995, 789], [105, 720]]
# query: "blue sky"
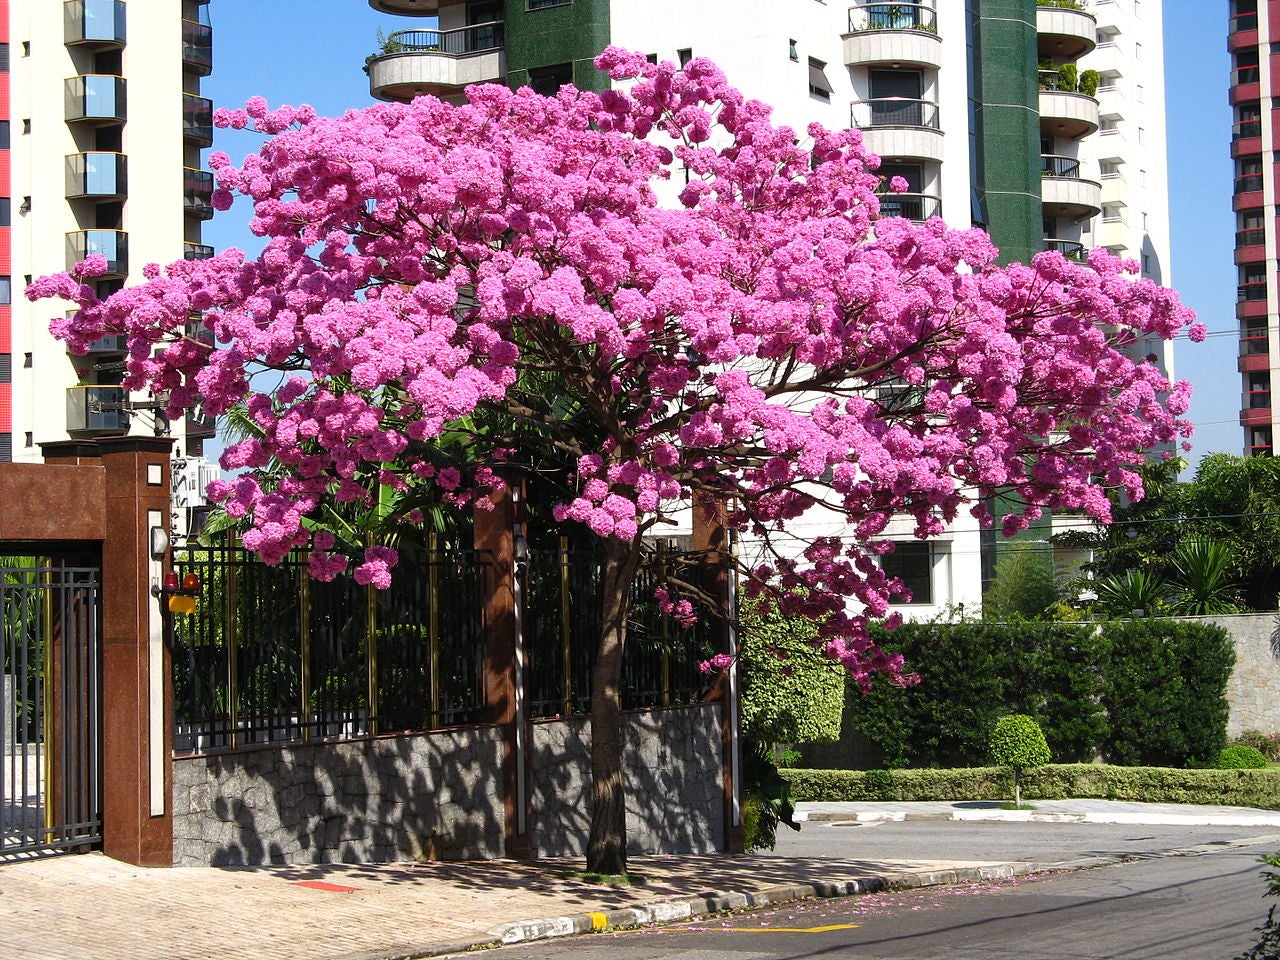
[[267, 49]]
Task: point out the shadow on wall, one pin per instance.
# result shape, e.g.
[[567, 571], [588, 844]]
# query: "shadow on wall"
[[425, 797], [675, 797]]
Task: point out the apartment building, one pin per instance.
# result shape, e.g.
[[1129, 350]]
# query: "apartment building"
[[1250, 37], [101, 131], [1040, 120]]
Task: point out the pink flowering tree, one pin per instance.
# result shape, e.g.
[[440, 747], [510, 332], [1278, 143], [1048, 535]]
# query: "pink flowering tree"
[[766, 346]]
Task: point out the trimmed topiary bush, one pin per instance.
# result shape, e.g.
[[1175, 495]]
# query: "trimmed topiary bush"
[[1239, 757], [1018, 743]]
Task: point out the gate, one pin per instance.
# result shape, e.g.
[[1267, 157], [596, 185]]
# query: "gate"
[[50, 740]]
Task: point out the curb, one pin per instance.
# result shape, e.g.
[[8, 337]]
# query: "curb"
[[689, 908]]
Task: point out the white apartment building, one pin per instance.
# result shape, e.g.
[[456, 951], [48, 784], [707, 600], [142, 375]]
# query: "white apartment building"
[[103, 127]]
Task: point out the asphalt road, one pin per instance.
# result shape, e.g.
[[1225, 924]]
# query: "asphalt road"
[[990, 840], [1192, 907]]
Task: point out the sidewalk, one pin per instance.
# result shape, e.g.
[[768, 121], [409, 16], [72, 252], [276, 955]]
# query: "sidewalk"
[[1064, 811], [78, 907]]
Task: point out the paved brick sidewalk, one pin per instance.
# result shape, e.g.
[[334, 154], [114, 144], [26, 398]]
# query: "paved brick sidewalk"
[[92, 908]]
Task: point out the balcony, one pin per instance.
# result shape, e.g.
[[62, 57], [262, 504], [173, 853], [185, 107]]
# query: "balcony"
[[1065, 113], [1064, 192], [197, 47], [196, 251], [197, 119], [1251, 245], [437, 62], [1255, 416], [97, 176], [917, 207], [111, 343], [1255, 400], [96, 23], [899, 127], [1251, 290], [411, 8], [95, 99], [197, 193], [1071, 249], [902, 33], [94, 410], [112, 244], [1064, 32]]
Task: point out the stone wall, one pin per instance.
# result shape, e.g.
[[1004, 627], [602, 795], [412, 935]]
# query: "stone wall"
[[1253, 692], [675, 795], [433, 795]]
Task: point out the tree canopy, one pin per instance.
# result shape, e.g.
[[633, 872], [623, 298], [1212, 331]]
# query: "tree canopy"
[[768, 345]]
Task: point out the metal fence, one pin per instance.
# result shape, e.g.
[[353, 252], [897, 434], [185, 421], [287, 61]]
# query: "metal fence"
[[50, 706], [273, 656], [562, 631]]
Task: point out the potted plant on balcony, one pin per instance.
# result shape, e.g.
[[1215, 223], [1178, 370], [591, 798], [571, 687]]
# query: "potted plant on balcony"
[[1089, 83]]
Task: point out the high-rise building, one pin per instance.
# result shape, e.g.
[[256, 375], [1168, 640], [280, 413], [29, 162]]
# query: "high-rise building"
[[1253, 144], [1040, 120], [101, 129]]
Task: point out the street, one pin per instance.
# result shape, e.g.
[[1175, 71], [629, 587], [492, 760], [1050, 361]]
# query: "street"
[[1194, 907]]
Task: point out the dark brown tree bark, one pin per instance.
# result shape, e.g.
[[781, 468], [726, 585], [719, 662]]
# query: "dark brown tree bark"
[[607, 845]]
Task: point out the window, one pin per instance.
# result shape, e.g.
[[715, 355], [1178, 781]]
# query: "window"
[[4, 134], [548, 80], [819, 85], [6, 368], [912, 562], [792, 50], [4, 58], [1138, 92], [1137, 51], [6, 290], [543, 4], [5, 215], [26, 127], [1142, 135], [684, 56]]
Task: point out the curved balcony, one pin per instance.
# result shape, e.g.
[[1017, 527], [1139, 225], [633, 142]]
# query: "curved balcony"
[[94, 23], [1066, 114], [197, 119], [112, 244], [197, 193], [96, 410], [197, 47], [111, 343], [437, 62], [1071, 249], [1064, 32], [917, 207], [1064, 193], [97, 175], [95, 99], [410, 8], [903, 33], [899, 127], [196, 251]]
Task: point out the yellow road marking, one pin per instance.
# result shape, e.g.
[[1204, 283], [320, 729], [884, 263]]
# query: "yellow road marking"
[[834, 926], [598, 921]]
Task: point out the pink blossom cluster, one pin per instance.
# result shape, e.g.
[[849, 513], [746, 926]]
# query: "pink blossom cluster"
[[771, 344]]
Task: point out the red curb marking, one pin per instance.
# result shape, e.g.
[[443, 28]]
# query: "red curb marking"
[[322, 885]]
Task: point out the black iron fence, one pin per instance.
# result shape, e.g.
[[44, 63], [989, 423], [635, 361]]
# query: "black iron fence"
[[273, 656], [561, 626]]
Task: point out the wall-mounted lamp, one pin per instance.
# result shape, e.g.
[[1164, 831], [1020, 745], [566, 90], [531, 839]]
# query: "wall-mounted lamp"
[[159, 543]]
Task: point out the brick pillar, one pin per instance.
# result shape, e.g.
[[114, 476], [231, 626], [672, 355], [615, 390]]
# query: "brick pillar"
[[137, 695], [710, 535], [503, 676]]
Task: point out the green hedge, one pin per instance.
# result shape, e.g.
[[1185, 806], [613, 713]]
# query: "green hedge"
[[973, 673], [1236, 788], [1139, 692]]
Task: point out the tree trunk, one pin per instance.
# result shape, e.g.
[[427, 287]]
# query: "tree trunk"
[[607, 845]]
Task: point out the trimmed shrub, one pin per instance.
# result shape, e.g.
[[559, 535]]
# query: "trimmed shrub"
[[1240, 788], [1089, 80], [1017, 742], [1165, 694], [1239, 757]]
